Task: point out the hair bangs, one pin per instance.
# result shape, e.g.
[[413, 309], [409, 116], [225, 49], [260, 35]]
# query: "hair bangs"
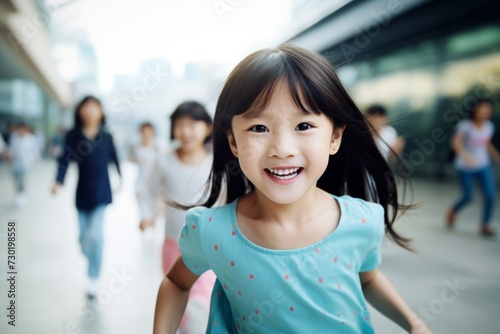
[[301, 95]]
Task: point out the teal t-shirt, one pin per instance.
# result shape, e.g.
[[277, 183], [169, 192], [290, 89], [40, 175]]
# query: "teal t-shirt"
[[315, 289]]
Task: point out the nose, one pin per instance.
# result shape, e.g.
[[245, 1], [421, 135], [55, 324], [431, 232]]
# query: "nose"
[[185, 132], [283, 144]]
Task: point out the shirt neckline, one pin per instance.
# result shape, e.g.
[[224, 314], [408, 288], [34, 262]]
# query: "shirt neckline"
[[304, 249], [174, 155]]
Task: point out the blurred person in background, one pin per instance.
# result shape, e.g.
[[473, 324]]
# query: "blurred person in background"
[[40, 139], [180, 176], [474, 151], [3, 148], [23, 152], [57, 143], [145, 154], [9, 131], [385, 136], [92, 148]]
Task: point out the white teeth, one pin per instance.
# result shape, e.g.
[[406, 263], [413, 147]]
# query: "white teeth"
[[285, 173]]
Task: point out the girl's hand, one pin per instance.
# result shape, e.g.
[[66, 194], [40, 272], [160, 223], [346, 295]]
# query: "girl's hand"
[[144, 224], [421, 330], [55, 188], [469, 160]]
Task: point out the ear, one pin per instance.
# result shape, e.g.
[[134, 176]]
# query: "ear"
[[336, 139], [232, 143]]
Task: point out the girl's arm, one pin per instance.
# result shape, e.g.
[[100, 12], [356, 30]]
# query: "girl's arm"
[[114, 156], [457, 146], [172, 298], [68, 155], [383, 296], [493, 152]]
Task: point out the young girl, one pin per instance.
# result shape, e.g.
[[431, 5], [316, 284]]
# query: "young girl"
[[180, 176], [292, 252], [472, 143], [145, 153], [92, 148]]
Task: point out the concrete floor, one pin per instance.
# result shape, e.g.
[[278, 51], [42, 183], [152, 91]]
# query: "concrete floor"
[[51, 270]]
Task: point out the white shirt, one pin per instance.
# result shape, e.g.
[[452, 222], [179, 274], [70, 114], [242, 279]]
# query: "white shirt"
[[24, 150], [185, 184], [475, 143], [146, 157], [387, 137]]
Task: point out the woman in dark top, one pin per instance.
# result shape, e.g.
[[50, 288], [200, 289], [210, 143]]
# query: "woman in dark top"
[[92, 148]]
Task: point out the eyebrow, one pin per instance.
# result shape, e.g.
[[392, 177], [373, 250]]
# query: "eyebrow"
[[254, 113]]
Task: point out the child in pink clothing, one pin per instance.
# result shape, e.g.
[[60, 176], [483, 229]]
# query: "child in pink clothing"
[[180, 176]]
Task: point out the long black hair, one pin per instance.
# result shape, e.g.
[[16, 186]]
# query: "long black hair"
[[87, 99], [357, 169]]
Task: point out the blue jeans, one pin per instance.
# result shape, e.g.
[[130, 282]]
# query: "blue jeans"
[[20, 178], [91, 238], [485, 178]]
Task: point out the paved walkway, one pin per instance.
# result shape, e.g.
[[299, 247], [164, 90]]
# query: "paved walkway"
[[453, 281]]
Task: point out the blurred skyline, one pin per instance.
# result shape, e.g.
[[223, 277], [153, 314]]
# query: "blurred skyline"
[[126, 33]]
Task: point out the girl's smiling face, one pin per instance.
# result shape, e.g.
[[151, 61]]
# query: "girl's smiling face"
[[282, 150]]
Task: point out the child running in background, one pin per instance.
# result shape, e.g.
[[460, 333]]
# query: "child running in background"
[[385, 136], [296, 249], [23, 152], [473, 161], [91, 147], [181, 176], [145, 153]]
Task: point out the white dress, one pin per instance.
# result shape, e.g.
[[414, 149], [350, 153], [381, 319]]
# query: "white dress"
[[146, 158]]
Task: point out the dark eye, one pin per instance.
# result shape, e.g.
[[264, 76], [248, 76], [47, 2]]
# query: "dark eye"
[[259, 128], [303, 126]]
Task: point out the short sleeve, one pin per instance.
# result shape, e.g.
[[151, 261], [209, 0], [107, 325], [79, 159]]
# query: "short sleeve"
[[462, 127], [491, 128], [190, 242], [373, 257]]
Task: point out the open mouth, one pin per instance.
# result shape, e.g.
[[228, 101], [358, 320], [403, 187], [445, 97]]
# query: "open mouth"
[[284, 173]]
